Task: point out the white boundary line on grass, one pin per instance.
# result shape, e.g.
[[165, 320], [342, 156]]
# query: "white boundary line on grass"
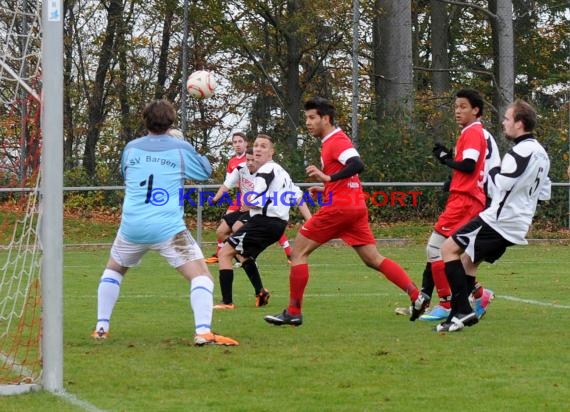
[[74, 400], [533, 302]]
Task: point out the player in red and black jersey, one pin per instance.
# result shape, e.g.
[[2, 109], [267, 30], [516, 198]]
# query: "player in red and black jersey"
[[343, 214], [466, 195]]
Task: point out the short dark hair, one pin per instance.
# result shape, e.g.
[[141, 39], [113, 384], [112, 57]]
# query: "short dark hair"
[[474, 97], [159, 115], [240, 134], [322, 106], [525, 113], [249, 151]]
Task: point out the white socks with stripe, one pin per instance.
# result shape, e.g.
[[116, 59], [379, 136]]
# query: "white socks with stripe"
[[107, 295], [202, 302]]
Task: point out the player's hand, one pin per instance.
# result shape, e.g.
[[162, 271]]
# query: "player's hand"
[[210, 200], [441, 153], [315, 190], [315, 172]]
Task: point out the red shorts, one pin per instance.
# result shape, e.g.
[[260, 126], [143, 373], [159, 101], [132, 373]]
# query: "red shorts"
[[350, 225], [459, 210]]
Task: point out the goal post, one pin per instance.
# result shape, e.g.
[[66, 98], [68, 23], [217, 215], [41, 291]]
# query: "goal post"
[[31, 164], [51, 229]]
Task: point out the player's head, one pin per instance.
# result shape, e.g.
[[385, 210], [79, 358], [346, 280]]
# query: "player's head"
[[519, 119], [158, 116], [319, 116], [239, 143], [263, 149], [468, 106], [250, 161]]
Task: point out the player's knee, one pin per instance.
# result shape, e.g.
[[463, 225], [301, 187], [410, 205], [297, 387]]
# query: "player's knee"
[[450, 250], [222, 232], [226, 251], [433, 249]]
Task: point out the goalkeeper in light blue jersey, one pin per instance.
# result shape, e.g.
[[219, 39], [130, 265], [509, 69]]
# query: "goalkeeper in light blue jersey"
[[155, 167]]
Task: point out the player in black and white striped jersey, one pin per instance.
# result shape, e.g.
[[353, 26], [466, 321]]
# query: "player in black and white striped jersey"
[[268, 203]]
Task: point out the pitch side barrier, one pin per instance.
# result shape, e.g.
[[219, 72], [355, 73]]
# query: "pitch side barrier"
[[373, 197]]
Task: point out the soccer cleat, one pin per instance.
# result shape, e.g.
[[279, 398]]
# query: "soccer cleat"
[[458, 322], [481, 304], [212, 259], [223, 305], [213, 339], [262, 298], [419, 306], [100, 334], [284, 318], [403, 311], [437, 313]]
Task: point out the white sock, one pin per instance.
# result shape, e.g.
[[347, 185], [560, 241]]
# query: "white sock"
[[202, 302], [107, 295]]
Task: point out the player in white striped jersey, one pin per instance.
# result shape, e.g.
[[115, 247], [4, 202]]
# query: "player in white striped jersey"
[[268, 203], [521, 183]]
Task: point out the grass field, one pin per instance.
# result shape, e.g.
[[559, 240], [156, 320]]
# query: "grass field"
[[351, 354]]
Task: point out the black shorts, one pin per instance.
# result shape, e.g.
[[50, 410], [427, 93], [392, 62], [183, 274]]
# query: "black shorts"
[[233, 217], [480, 241], [256, 235]]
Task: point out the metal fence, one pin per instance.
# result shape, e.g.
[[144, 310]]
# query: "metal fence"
[[199, 189]]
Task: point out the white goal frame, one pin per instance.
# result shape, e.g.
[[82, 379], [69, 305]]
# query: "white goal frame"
[[50, 235], [51, 206]]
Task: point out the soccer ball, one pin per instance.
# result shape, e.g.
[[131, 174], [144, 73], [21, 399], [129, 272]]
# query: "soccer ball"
[[201, 84]]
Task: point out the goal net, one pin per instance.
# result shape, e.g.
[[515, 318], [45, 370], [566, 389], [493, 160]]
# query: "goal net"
[[20, 146]]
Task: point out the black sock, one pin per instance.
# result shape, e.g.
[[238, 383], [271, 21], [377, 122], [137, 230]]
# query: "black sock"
[[459, 290], [226, 285], [471, 281], [427, 280], [253, 274]]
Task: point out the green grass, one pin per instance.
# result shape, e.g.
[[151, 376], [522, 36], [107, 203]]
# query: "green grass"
[[352, 353]]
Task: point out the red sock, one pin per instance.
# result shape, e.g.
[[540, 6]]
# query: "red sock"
[[441, 283], [398, 276], [298, 278], [284, 243]]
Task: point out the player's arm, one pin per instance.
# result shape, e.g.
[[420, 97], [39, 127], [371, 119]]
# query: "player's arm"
[[443, 154], [304, 209], [231, 181], [301, 204], [196, 166], [353, 166], [223, 189]]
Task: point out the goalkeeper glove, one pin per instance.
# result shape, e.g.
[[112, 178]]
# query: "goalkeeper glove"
[[441, 153]]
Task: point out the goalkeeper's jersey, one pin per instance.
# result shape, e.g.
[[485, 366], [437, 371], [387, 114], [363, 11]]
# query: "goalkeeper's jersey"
[[522, 182], [154, 168]]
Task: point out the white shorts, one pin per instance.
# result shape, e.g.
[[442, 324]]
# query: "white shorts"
[[177, 250]]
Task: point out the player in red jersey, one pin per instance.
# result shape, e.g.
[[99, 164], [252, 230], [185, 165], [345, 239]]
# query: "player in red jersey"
[[466, 196], [239, 144], [343, 214]]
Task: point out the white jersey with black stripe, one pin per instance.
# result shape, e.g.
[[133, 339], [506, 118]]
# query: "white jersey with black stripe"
[[274, 192], [521, 183], [492, 164]]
